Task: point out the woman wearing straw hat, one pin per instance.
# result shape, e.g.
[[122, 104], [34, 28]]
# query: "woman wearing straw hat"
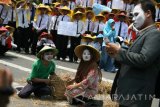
[[42, 68], [85, 85], [40, 25], [62, 46], [99, 24], [77, 19]]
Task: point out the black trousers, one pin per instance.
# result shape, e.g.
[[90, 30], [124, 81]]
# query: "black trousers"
[[54, 36], [74, 42], [3, 49], [23, 38], [35, 40], [15, 35], [39, 90], [62, 42]]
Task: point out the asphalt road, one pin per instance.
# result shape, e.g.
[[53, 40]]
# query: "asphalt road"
[[21, 64]]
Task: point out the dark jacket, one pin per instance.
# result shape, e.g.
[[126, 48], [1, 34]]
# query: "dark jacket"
[[139, 69]]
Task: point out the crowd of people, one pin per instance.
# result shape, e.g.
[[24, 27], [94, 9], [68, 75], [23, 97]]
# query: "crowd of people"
[[108, 40], [35, 25]]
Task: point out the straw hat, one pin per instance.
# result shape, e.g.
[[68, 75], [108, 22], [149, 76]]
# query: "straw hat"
[[78, 13], [79, 8], [158, 4], [10, 29], [56, 4], [122, 13], [65, 8], [104, 12], [89, 36], [42, 6], [80, 48], [157, 23], [115, 11], [47, 48], [99, 16], [90, 11], [19, 2], [88, 8]]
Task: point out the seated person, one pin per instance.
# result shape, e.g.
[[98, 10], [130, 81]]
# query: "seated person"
[[44, 39], [38, 82], [85, 85]]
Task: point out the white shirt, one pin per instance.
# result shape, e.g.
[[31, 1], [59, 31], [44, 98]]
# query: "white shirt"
[[4, 10], [109, 4], [42, 22], [9, 17], [65, 18], [101, 26], [97, 1], [87, 3], [78, 2], [71, 5], [91, 26], [47, 1], [157, 13], [19, 14], [80, 27], [124, 29], [53, 23], [127, 7]]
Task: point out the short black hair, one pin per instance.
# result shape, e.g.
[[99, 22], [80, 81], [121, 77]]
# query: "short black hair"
[[148, 5]]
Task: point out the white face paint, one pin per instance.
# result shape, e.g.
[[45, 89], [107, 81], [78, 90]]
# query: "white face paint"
[[138, 16], [86, 55], [48, 56]]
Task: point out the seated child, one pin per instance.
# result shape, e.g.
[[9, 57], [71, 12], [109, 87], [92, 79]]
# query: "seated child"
[[44, 39], [38, 82]]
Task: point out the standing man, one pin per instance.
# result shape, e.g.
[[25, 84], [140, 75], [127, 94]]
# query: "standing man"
[[23, 14], [140, 63]]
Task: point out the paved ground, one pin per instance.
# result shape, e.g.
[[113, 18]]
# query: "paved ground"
[[20, 64]]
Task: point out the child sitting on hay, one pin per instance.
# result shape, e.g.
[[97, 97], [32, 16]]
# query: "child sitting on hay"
[[38, 81], [85, 85]]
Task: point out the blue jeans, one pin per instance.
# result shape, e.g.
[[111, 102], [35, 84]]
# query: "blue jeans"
[[106, 62]]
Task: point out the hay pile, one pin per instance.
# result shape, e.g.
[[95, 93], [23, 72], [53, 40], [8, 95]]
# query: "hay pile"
[[104, 87], [58, 85]]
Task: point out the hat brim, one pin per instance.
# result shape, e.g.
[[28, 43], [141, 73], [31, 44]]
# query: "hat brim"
[[61, 11], [9, 28], [82, 15], [79, 50], [54, 50]]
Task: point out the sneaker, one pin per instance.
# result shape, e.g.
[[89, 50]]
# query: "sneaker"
[[18, 89]]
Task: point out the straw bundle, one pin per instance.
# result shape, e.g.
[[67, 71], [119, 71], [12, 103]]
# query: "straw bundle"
[[104, 87], [58, 85]]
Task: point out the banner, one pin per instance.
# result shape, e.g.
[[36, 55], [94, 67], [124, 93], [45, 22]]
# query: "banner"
[[117, 4], [98, 8], [67, 28], [5, 1]]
